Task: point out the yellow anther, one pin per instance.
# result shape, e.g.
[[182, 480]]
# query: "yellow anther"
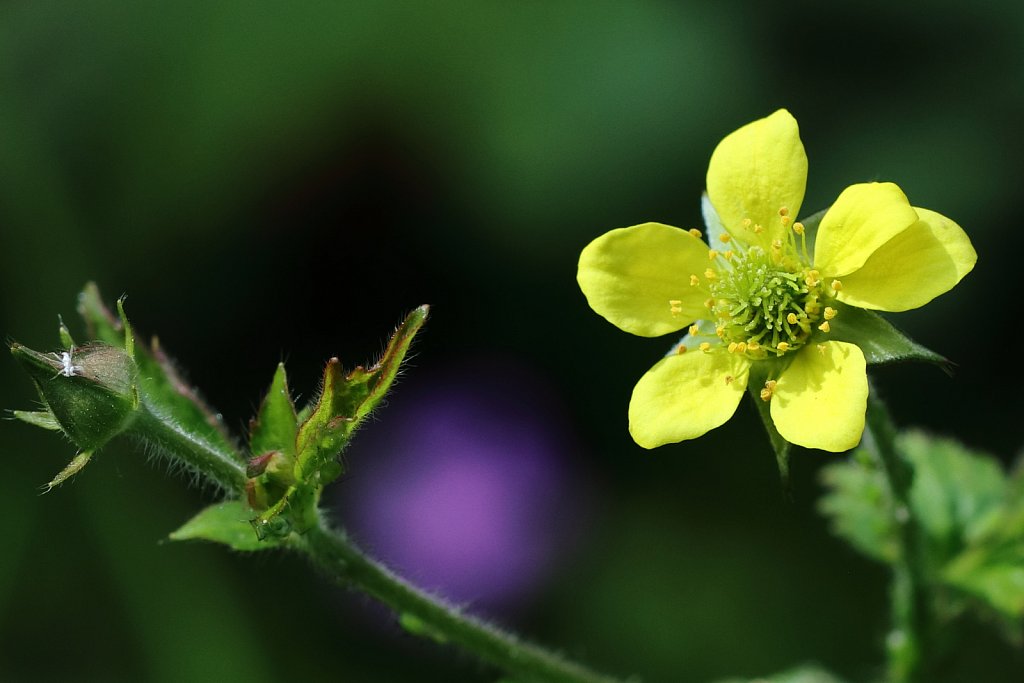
[[709, 304], [825, 327], [741, 347], [812, 308], [695, 232], [681, 349], [837, 285], [728, 379], [675, 306], [725, 237], [758, 228], [710, 274], [830, 312], [798, 228], [769, 390], [777, 245], [821, 349], [705, 346], [720, 331], [753, 345], [783, 211], [694, 280], [783, 347], [786, 220], [747, 222], [712, 254], [732, 347], [693, 330], [813, 278], [729, 253], [791, 318]]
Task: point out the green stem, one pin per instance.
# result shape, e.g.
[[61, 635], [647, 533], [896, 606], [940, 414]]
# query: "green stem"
[[337, 557], [197, 453], [911, 612]]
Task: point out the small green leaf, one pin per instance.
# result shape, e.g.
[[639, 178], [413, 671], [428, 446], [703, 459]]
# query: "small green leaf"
[[227, 523], [878, 339], [276, 425], [65, 335], [38, 418]]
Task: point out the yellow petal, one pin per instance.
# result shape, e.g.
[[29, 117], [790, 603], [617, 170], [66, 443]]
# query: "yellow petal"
[[920, 263], [862, 219], [684, 396], [636, 277], [821, 398], [756, 171]]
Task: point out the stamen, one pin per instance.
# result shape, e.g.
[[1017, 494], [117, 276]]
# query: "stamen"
[[825, 327], [758, 228], [741, 347], [769, 390], [821, 349], [752, 345], [729, 254], [725, 237], [681, 349], [783, 211], [705, 347], [712, 254], [694, 280], [675, 306], [777, 245], [798, 228], [786, 220], [693, 330], [728, 379], [747, 223], [710, 274], [732, 347], [837, 285], [695, 232], [791, 318], [830, 312], [813, 278], [782, 346], [709, 303]]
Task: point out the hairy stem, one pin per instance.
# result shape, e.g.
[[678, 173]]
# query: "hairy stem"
[[337, 557], [331, 552], [908, 643]]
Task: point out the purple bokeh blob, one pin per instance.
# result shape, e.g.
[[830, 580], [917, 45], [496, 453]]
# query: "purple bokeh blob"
[[463, 483]]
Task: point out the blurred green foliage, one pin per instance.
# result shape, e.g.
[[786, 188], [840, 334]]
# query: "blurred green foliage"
[[243, 167]]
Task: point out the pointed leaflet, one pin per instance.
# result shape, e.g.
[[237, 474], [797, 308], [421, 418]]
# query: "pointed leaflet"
[[160, 385], [226, 523], [275, 426], [38, 418], [345, 401]]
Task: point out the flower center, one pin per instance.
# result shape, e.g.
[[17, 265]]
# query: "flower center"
[[765, 303]]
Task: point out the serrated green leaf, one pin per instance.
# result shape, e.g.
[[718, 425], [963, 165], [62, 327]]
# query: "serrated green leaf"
[[227, 523], [954, 491], [880, 341], [38, 418], [276, 425], [860, 508]]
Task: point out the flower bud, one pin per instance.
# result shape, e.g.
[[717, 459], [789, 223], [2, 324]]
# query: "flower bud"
[[90, 391]]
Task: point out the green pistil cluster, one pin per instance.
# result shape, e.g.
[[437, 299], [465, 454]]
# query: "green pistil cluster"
[[763, 304]]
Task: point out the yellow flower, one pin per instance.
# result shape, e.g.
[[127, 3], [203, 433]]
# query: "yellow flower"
[[765, 302]]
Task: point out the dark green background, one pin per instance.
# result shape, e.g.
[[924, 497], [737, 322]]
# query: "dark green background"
[[272, 180]]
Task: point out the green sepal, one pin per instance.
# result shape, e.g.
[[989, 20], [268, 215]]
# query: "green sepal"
[[93, 398], [37, 418], [759, 374], [76, 465], [66, 340], [275, 426], [227, 523], [160, 384], [346, 400], [878, 339]]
